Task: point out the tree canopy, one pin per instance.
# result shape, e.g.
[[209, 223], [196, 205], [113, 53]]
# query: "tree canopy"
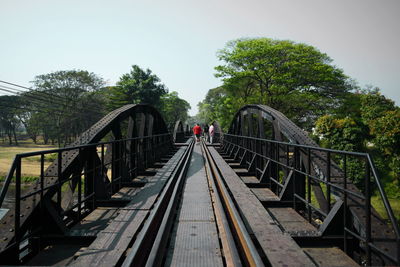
[[63, 104], [137, 86], [294, 78], [174, 108]]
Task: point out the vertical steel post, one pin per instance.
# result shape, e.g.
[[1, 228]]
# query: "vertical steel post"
[[41, 194], [121, 163], [93, 178], [17, 213], [345, 204], [368, 211], [59, 170], [309, 184], [328, 180], [113, 151], [80, 190], [296, 151]]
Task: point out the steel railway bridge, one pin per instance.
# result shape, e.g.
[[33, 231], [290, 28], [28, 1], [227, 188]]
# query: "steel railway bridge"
[[264, 194]]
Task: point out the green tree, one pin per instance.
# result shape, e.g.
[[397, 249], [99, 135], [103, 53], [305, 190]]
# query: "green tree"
[[137, 86], [344, 134], [374, 105], [72, 103], [8, 116], [386, 133], [174, 108], [294, 78]]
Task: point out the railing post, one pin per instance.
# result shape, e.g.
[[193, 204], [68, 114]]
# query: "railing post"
[[93, 178], [345, 204], [80, 187], [309, 184], [368, 211], [113, 167], [328, 180], [59, 177], [41, 194], [121, 163], [294, 177], [17, 213]]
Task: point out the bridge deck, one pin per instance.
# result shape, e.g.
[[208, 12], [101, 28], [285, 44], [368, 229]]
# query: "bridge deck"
[[106, 236]]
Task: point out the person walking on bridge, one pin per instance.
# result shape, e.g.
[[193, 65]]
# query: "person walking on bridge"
[[205, 132], [197, 132], [211, 132]]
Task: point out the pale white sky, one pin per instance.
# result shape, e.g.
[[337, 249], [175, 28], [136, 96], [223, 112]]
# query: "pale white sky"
[[178, 39]]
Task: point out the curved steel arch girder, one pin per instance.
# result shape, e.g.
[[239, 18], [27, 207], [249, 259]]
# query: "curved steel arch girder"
[[218, 134], [143, 120], [95, 133], [242, 124], [179, 133], [281, 125]]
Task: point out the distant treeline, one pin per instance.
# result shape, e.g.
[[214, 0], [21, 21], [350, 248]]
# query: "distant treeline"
[[63, 104]]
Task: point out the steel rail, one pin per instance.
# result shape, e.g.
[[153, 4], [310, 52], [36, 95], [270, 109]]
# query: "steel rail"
[[142, 247], [246, 245], [156, 254], [230, 251]]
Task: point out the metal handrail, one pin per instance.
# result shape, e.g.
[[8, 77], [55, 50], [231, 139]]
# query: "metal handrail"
[[370, 169], [8, 180], [59, 150]]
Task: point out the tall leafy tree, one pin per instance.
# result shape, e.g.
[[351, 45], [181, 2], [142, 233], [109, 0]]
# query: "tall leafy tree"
[[368, 122], [8, 116], [219, 106], [174, 108], [294, 78], [70, 106], [137, 86]]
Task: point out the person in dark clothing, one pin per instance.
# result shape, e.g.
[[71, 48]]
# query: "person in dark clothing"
[[197, 132], [206, 132]]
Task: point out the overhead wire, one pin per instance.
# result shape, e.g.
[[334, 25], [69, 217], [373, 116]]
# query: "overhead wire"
[[39, 99], [60, 98], [41, 105]]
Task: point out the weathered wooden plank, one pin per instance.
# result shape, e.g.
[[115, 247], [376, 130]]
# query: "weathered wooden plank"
[[333, 257], [146, 196], [249, 179], [112, 242], [291, 221], [95, 222], [126, 193], [265, 194]]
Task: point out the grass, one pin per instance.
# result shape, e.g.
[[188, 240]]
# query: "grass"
[[30, 166], [377, 203]]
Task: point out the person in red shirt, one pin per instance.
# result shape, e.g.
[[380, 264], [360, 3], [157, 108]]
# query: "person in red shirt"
[[197, 132]]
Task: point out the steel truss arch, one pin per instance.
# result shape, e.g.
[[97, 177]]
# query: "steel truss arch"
[[133, 138], [296, 169]]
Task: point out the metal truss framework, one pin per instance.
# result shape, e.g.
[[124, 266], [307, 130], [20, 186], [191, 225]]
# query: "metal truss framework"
[[87, 172], [285, 159]]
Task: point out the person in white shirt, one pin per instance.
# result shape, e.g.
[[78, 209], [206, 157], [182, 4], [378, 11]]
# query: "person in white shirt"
[[211, 133]]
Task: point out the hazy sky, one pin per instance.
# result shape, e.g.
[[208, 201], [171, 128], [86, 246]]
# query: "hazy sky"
[[178, 40]]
